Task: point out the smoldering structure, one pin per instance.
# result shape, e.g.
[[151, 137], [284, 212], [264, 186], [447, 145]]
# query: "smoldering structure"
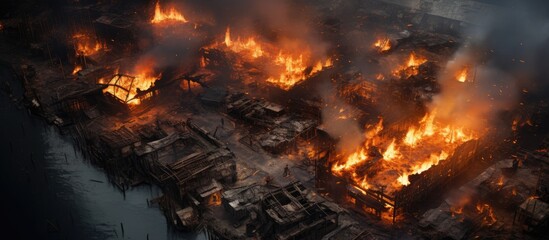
[[303, 119]]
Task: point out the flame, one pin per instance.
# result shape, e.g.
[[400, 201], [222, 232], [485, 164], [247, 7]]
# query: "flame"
[[428, 137], [249, 46], [171, 15], [411, 68], [391, 152], [294, 70], [284, 68], [462, 75], [125, 87], [486, 210], [76, 69], [84, 45], [415, 61], [383, 45]]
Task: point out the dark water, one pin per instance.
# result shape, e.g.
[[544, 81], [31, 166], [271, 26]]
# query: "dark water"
[[49, 191]]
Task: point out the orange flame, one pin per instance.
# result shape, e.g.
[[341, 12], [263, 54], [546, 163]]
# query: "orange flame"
[[285, 67], [86, 46], [462, 75], [294, 70], [383, 45], [411, 68], [126, 87], [430, 138], [171, 15], [250, 45], [391, 152], [76, 69]]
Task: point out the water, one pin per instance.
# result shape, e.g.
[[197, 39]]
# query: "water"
[[50, 192]]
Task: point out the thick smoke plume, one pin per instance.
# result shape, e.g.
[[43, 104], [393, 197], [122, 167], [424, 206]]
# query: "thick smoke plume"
[[505, 55]]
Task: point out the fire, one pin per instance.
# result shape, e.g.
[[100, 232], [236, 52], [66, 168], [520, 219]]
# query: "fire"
[[391, 152], [294, 70], [284, 68], [486, 210], [462, 75], [249, 46], [383, 45], [84, 45], [424, 145], [415, 61], [127, 87], [76, 69], [171, 15], [411, 68]]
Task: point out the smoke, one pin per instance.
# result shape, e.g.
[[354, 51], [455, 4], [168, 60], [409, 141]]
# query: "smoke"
[[287, 24], [505, 54], [339, 119]]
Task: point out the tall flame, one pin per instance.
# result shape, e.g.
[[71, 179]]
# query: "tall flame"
[[171, 15]]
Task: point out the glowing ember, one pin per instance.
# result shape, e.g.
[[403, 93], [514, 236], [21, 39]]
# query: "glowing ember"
[[383, 45], [171, 15], [84, 45], [462, 76], [424, 145]]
